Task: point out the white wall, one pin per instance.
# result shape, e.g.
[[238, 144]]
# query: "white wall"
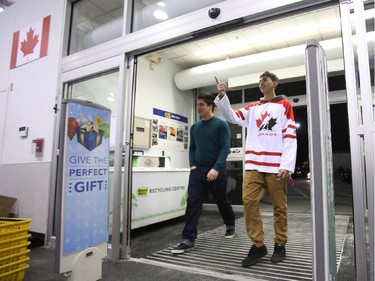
[[156, 89], [28, 95]]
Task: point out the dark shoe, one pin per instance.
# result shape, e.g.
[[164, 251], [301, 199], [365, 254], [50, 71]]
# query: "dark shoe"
[[278, 253], [181, 248], [254, 256], [230, 233]]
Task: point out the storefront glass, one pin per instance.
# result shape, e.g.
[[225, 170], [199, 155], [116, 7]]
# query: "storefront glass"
[[102, 90], [150, 12], [93, 23]]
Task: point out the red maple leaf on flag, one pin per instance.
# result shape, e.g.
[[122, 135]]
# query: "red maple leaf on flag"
[[28, 45]]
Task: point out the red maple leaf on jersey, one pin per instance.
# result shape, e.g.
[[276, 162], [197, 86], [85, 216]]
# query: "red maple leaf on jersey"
[[28, 45], [260, 121]]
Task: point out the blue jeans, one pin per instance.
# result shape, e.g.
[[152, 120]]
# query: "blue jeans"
[[197, 190]]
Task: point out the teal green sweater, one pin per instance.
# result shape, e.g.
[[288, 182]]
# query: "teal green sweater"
[[209, 144]]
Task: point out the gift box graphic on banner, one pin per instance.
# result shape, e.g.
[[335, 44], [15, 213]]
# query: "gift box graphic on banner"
[[89, 134], [89, 138]]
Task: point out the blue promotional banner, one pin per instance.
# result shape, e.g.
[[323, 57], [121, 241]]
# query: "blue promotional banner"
[[86, 177]]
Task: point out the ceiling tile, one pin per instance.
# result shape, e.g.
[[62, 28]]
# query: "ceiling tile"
[[107, 6]]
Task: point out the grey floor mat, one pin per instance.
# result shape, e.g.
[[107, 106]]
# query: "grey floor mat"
[[213, 253]]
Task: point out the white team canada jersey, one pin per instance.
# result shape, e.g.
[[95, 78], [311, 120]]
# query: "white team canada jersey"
[[271, 141]]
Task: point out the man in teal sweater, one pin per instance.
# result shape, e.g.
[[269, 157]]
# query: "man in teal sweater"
[[208, 151]]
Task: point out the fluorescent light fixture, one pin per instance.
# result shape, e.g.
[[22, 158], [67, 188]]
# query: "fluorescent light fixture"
[[160, 13], [161, 4]]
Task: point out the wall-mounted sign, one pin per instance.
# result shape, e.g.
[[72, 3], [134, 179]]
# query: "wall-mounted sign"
[[169, 130]]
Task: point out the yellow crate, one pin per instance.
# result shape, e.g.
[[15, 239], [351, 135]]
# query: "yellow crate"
[[14, 257], [11, 228], [13, 266], [9, 244], [14, 275]]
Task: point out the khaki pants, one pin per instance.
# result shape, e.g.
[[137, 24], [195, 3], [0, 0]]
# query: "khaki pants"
[[254, 186]]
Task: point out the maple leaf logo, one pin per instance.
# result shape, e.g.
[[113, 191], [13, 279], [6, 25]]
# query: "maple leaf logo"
[[260, 121], [264, 124], [28, 45]]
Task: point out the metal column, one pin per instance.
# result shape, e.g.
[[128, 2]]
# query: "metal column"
[[360, 110], [321, 167]]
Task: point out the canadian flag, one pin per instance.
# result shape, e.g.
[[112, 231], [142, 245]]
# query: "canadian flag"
[[30, 43]]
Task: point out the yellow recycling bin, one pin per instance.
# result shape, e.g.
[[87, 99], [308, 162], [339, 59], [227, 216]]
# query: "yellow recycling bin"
[[14, 236]]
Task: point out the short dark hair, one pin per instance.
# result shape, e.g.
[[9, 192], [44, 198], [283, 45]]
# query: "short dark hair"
[[207, 98], [270, 75]]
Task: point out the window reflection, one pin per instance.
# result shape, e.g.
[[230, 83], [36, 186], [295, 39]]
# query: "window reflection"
[[94, 22], [150, 12], [101, 89]]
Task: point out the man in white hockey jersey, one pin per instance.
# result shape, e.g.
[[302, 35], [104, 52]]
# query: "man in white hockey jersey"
[[271, 149]]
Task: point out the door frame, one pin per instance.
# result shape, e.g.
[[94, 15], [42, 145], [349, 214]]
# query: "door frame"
[[122, 144]]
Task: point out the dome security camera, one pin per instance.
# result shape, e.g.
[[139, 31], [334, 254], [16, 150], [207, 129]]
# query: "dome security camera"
[[213, 13], [296, 100]]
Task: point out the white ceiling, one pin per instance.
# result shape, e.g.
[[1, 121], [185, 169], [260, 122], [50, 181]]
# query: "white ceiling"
[[233, 54], [285, 32]]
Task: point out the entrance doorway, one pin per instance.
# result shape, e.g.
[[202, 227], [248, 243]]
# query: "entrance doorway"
[[177, 73], [167, 81]]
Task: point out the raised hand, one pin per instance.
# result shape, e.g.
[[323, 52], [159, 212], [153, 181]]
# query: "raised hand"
[[221, 87]]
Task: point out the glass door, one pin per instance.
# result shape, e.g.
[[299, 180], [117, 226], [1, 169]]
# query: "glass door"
[[102, 83], [100, 89]]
